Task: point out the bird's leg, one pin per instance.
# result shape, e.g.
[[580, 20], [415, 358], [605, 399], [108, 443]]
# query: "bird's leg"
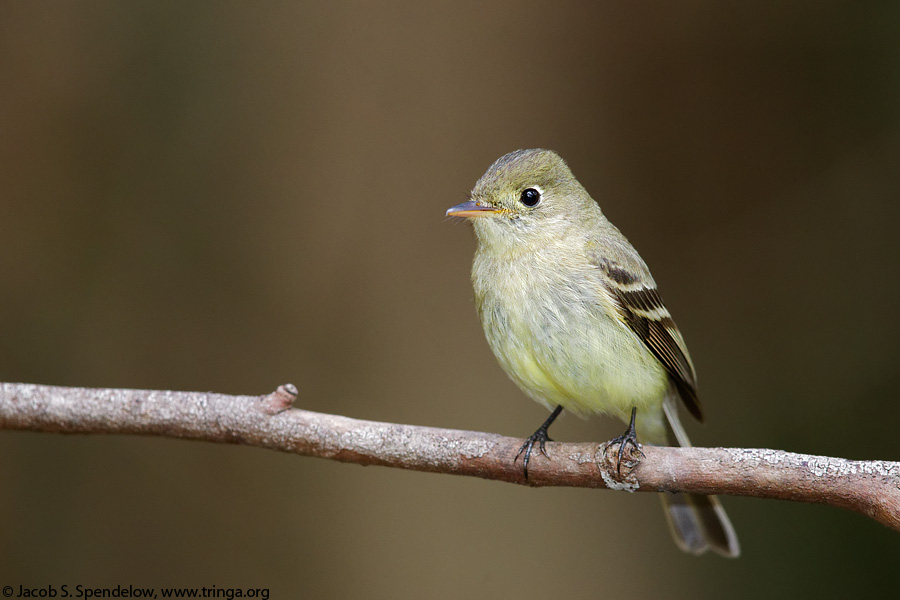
[[629, 437], [540, 437]]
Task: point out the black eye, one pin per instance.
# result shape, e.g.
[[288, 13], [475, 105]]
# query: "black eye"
[[530, 197]]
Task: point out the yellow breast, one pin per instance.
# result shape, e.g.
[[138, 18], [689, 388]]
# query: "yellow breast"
[[557, 335]]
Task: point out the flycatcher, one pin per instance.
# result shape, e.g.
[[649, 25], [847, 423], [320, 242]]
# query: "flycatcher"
[[574, 318]]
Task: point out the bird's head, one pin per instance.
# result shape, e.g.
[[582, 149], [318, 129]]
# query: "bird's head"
[[527, 197]]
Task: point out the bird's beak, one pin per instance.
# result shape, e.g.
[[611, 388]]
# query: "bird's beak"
[[471, 209]]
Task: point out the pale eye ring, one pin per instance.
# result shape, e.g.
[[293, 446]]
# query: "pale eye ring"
[[530, 197]]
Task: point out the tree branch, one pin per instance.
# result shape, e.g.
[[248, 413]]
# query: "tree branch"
[[868, 487]]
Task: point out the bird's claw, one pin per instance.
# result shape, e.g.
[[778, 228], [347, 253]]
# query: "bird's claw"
[[623, 441], [540, 438], [627, 438]]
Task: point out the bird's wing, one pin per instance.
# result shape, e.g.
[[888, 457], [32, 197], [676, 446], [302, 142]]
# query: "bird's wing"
[[641, 308]]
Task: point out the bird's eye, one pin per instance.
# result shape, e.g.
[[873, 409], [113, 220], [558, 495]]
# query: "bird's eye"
[[530, 197]]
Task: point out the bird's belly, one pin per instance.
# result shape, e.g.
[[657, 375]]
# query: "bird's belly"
[[571, 352]]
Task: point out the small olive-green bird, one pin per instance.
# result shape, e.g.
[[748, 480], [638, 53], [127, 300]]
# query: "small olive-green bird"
[[574, 318]]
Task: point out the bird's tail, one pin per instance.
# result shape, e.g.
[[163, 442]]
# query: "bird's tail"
[[698, 523]]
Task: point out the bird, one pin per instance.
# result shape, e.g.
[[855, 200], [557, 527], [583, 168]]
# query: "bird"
[[574, 317]]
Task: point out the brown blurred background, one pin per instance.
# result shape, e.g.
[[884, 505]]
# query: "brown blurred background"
[[228, 196]]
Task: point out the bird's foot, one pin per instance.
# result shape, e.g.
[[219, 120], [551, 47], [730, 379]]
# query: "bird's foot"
[[624, 440], [539, 437]]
